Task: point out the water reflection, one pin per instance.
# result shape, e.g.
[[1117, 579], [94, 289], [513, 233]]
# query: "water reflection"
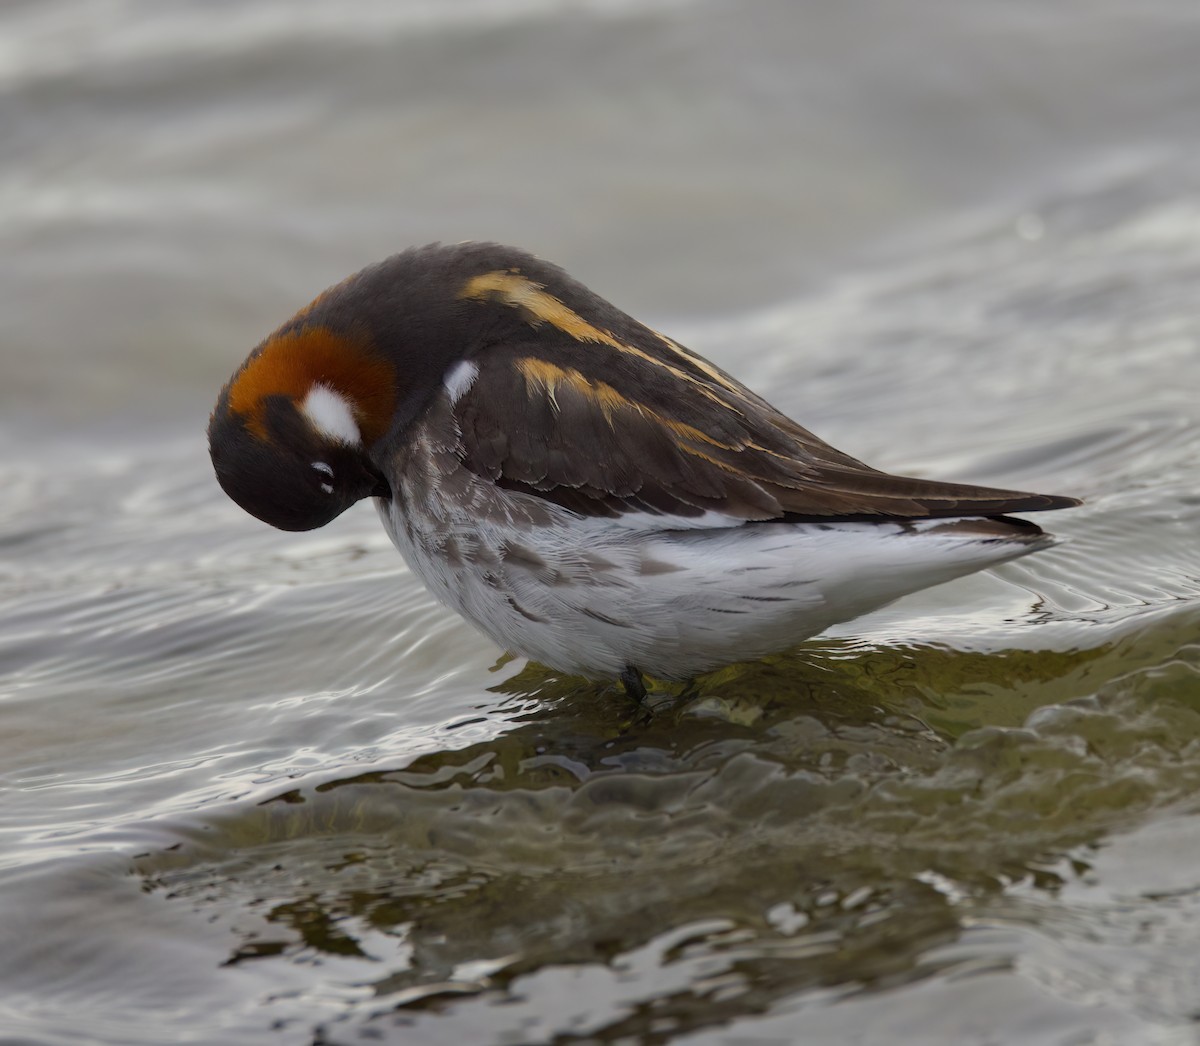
[[784, 828]]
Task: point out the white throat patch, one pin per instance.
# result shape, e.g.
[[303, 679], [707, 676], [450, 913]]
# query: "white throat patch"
[[330, 414]]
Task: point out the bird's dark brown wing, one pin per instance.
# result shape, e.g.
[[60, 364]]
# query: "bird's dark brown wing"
[[611, 418]]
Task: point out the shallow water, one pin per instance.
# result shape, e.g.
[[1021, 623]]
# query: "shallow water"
[[259, 788]]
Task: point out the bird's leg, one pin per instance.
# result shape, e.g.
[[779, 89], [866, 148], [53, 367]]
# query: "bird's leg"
[[635, 686]]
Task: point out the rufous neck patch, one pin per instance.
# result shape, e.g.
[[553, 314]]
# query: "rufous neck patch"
[[292, 364]]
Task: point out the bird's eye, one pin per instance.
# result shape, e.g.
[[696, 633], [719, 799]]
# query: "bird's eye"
[[324, 469]]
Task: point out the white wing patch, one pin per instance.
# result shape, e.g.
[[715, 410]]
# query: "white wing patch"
[[331, 414], [459, 379]]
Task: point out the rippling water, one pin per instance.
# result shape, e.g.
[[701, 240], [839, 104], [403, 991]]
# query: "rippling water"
[[258, 788]]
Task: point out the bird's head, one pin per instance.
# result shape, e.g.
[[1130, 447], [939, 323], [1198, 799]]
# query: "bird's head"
[[303, 427], [290, 433]]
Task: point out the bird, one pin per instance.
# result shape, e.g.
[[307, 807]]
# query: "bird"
[[584, 490]]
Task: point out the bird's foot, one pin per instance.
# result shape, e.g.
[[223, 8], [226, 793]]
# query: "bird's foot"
[[635, 685]]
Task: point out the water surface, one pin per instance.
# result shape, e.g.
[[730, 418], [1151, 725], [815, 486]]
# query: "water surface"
[[258, 788]]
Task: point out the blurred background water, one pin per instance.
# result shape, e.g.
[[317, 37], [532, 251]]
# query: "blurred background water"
[[257, 788]]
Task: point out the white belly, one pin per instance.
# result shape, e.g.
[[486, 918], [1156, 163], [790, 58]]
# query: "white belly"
[[591, 596]]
